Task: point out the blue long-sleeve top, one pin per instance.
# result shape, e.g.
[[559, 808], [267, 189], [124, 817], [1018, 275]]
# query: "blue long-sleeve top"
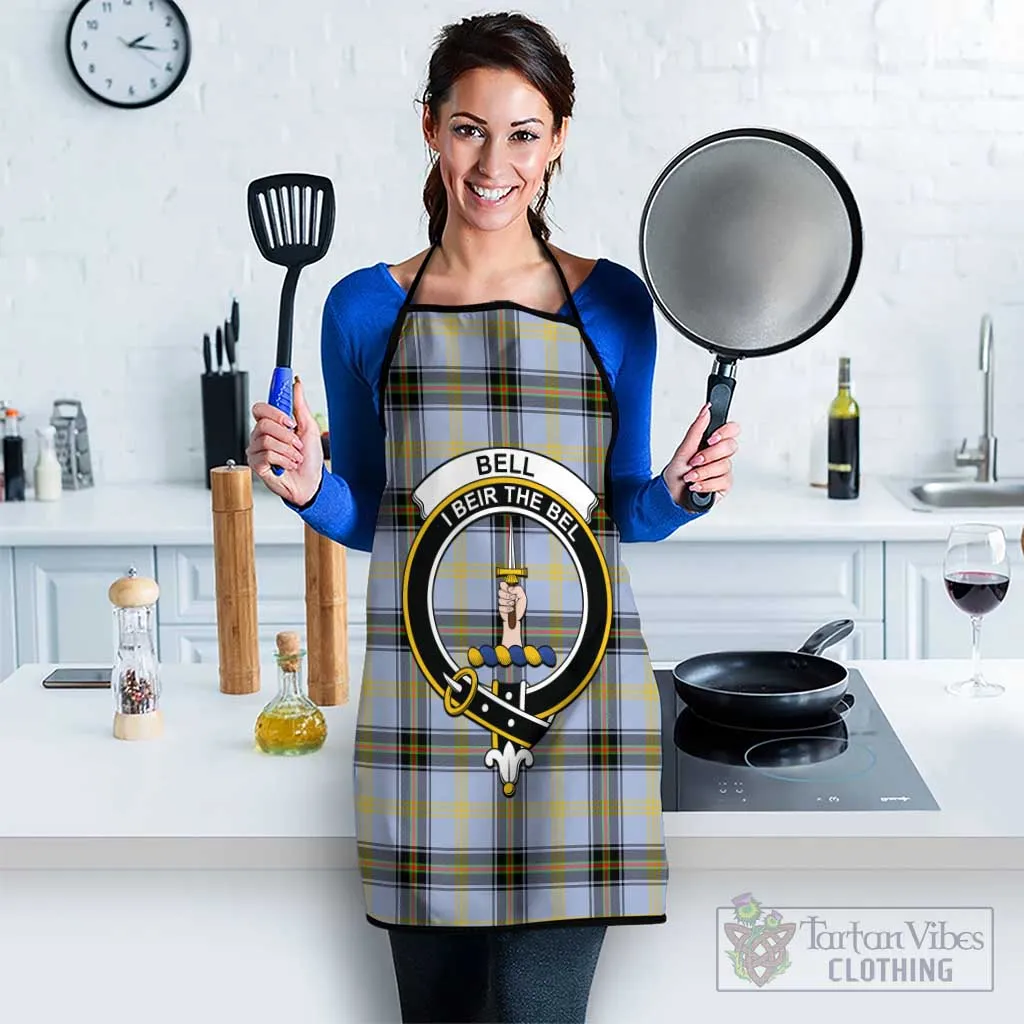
[[618, 315]]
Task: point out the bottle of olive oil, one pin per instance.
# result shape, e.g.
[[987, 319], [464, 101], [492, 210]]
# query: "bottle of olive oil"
[[844, 439]]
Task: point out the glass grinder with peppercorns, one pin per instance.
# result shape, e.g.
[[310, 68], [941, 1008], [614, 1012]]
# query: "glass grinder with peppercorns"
[[135, 680]]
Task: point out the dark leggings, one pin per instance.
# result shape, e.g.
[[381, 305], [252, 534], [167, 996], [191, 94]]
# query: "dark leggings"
[[496, 975]]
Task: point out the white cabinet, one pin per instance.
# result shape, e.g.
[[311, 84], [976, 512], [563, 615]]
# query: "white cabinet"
[[188, 586], [198, 643], [188, 598], [922, 622], [700, 597], [54, 606], [693, 597], [8, 645], [62, 610], [684, 641]]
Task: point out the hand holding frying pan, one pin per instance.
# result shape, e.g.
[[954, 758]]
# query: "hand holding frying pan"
[[709, 472], [750, 243]]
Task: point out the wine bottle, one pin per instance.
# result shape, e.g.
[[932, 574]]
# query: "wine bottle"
[[844, 439]]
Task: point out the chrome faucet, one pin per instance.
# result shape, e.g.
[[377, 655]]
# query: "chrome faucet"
[[984, 456]]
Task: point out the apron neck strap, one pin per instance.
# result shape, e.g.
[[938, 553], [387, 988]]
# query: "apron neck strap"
[[570, 302], [567, 291], [419, 274]]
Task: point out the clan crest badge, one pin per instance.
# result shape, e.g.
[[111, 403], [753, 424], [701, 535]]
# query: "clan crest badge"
[[491, 487]]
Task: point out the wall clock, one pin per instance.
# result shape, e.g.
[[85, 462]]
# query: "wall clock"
[[128, 53]]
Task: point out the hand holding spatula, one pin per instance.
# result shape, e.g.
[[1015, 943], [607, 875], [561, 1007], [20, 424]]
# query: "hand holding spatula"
[[292, 220]]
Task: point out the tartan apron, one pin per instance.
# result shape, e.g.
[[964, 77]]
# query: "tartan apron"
[[507, 766]]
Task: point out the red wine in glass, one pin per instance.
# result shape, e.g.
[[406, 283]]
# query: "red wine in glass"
[[976, 574], [977, 593]]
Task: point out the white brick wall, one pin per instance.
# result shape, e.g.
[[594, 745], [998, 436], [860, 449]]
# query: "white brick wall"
[[123, 235]]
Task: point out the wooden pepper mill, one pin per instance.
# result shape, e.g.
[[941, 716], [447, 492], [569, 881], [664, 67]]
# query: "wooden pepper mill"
[[326, 619], [326, 608], [234, 553]]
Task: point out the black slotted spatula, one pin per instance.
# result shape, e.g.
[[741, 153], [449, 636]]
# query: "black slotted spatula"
[[292, 220]]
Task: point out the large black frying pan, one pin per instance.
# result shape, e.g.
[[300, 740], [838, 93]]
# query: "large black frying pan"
[[750, 243], [758, 689]]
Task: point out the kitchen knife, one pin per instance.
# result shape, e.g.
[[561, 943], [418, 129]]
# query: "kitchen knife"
[[229, 345], [234, 319], [206, 353], [220, 350]]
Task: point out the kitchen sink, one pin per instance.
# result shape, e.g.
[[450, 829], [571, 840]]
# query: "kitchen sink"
[[940, 495]]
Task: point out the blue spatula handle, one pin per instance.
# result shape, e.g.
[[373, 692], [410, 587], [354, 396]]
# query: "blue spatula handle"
[[281, 397]]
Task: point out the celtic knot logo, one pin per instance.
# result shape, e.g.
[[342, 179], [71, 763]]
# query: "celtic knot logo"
[[759, 940]]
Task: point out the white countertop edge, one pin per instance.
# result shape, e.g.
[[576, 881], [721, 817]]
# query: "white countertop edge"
[[923, 527], [695, 853], [761, 508]]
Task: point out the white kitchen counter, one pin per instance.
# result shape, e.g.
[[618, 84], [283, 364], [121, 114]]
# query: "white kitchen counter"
[[204, 796], [200, 879], [758, 509]]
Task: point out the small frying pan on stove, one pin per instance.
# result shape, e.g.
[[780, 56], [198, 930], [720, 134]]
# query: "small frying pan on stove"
[[750, 243], [760, 689]]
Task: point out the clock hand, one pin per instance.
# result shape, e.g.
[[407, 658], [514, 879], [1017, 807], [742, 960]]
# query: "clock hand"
[[140, 47], [142, 55], [138, 39]]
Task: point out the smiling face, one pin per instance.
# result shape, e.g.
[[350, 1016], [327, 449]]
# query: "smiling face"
[[495, 138]]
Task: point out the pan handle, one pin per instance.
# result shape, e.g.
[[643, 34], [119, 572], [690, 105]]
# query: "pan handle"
[[829, 634], [844, 705], [721, 383]]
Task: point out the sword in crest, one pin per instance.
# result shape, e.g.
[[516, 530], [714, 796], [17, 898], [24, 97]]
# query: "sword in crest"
[[510, 572], [503, 755]]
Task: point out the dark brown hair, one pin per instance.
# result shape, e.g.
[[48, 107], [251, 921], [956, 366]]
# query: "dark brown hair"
[[507, 42]]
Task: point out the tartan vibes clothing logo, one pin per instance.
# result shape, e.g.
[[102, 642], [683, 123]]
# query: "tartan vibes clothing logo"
[[759, 941], [492, 491], [866, 948]]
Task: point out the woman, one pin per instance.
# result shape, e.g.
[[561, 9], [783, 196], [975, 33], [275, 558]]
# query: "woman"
[[489, 406]]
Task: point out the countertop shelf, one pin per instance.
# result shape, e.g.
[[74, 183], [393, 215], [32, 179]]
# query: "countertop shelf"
[[758, 509]]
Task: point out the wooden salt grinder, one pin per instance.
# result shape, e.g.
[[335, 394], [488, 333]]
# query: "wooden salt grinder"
[[326, 619], [234, 554]]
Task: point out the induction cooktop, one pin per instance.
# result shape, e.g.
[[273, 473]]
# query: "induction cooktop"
[[851, 761]]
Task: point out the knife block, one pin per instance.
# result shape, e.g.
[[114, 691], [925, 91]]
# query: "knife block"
[[225, 399]]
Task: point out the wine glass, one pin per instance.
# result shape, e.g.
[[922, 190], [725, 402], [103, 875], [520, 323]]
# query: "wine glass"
[[976, 572]]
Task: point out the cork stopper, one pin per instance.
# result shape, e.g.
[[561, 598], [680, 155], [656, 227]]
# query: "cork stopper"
[[231, 488], [133, 591], [289, 650]]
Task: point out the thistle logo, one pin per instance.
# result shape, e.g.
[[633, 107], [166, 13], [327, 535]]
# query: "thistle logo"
[[759, 941]]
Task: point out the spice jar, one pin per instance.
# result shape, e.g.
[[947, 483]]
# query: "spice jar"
[[291, 723], [135, 680]]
